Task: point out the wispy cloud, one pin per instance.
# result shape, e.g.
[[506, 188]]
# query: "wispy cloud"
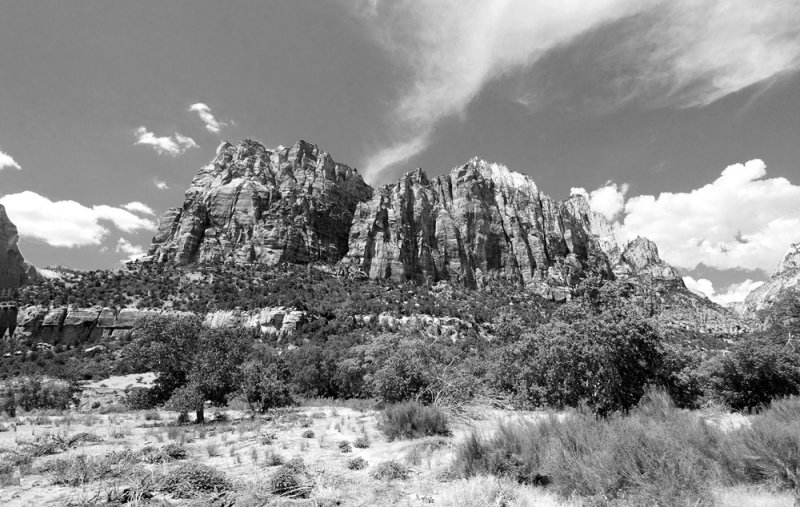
[[161, 185], [173, 145], [740, 220], [212, 124], [139, 207], [133, 252], [680, 53], [735, 293], [68, 223], [7, 161]]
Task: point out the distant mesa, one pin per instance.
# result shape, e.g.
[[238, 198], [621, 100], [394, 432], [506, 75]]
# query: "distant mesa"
[[481, 221]]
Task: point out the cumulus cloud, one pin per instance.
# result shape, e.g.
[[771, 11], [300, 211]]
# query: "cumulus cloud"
[[133, 252], [666, 52], [212, 124], [68, 223], [161, 185], [735, 293], [608, 200], [139, 207], [7, 160], [743, 219], [173, 145]]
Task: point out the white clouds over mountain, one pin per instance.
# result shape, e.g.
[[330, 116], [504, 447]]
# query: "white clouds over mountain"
[[68, 223], [679, 53], [131, 251], [212, 124], [734, 294], [172, 145]]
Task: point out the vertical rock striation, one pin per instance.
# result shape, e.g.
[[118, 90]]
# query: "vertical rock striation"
[[253, 204], [481, 220]]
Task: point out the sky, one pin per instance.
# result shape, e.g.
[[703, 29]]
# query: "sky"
[[678, 119]]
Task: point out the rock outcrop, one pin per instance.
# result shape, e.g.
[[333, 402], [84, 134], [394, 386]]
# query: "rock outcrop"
[[640, 259], [257, 205], [14, 271], [786, 277], [481, 220]]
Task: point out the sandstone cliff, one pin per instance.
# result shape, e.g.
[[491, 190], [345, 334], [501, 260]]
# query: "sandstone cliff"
[[253, 204], [483, 220], [640, 259], [786, 277], [14, 271]]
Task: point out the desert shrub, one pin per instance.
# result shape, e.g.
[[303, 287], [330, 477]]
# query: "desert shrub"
[[9, 405], [188, 480], [152, 415], [296, 464], [307, 434], [33, 393], [413, 420], [657, 456], [213, 450], [391, 470], [140, 398], [83, 438], [80, 469], [273, 459], [170, 452], [345, 446], [285, 482], [361, 442], [757, 369], [357, 463]]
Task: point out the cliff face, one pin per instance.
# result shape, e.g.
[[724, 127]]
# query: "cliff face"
[[253, 204], [14, 271], [481, 220], [786, 277], [640, 259]]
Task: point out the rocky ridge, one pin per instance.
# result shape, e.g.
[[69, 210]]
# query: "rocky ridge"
[[785, 277], [484, 221], [257, 205]]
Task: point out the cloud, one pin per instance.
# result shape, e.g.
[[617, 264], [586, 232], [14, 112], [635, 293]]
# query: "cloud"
[[735, 293], [7, 160], [68, 223], [681, 53], [175, 145], [608, 200], [139, 207], [743, 219], [132, 251], [212, 124], [161, 185]]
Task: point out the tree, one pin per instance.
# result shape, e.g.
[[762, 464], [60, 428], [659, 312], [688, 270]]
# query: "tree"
[[265, 380], [192, 362], [757, 369], [604, 359]]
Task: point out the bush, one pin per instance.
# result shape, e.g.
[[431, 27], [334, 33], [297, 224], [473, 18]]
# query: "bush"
[[413, 420], [190, 479], [391, 470], [362, 442], [307, 434], [284, 482], [756, 370], [345, 446], [655, 456], [140, 398], [33, 393], [170, 452], [357, 463]]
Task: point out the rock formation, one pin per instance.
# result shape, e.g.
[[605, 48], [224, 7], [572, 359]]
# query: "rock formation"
[[640, 259], [14, 271], [786, 277], [253, 204], [481, 220]]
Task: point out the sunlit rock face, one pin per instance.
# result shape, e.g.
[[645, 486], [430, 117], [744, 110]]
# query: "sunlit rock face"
[[786, 277], [252, 204], [480, 220]]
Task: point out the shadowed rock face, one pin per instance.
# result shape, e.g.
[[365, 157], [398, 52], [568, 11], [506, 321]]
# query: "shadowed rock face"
[[13, 269], [481, 220], [253, 204]]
